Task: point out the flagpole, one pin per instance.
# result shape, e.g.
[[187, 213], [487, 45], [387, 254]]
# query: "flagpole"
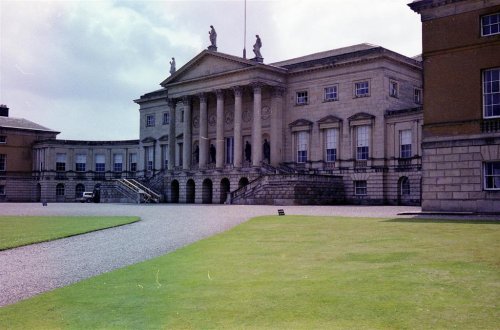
[[245, 32]]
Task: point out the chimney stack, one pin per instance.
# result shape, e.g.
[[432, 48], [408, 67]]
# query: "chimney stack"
[[4, 110]]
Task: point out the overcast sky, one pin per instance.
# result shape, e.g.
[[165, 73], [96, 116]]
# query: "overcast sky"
[[77, 66]]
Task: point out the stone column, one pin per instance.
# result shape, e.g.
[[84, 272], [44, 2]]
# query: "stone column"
[[171, 135], [157, 156], [203, 131], [187, 141], [219, 156], [277, 126], [257, 126], [238, 143]]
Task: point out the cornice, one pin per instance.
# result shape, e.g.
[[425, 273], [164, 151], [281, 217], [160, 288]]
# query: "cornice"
[[386, 55], [300, 122]]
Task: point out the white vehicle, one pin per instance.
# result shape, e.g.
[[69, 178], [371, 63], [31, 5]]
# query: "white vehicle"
[[87, 197]]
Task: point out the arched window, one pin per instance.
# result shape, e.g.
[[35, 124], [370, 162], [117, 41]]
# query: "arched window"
[[79, 189], [404, 186], [60, 189]]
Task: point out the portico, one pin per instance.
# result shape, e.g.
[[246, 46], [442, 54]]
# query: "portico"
[[221, 112]]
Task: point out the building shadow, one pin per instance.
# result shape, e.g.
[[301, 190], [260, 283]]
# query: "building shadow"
[[474, 221]]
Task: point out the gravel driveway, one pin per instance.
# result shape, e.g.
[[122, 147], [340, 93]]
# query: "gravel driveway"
[[30, 270]]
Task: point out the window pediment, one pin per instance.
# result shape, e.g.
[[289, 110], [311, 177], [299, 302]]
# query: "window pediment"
[[164, 137], [148, 139], [300, 125], [329, 121], [361, 118]]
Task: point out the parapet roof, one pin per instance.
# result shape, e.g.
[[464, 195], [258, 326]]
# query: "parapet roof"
[[21, 123], [342, 56], [328, 53], [418, 5], [89, 143]]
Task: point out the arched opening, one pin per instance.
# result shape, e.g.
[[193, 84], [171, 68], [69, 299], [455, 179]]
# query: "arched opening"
[[174, 191], [404, 190], [206, 193], [190, 189], [60, 192], [243, 182], [38, 196], [79, 189], [225, 187], [97, 193]]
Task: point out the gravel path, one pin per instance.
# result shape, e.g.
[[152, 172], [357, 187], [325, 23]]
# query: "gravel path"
[[33, 269]]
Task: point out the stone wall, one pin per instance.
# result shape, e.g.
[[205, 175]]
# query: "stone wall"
[[453, 174], [18, 189], [295, 189]]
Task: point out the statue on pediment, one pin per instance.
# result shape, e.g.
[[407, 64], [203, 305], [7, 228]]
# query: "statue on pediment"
[[172, 66], [213, 38], [256, 49]]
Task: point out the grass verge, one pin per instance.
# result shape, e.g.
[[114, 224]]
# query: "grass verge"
[[18, 231], [293, 272]]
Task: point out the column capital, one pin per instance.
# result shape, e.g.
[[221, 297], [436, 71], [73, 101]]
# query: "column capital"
[[257, 86], [186, 100], [170, 102], [202, 96], [278, 91], [238, 90], [219, 93]]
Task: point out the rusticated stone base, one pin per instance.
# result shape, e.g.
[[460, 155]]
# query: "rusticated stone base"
[[453, 178], [294, 189]]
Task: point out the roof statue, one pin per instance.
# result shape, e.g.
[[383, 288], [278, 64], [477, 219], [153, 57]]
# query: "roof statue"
[[213, 39], [256, 50], [172, 66]]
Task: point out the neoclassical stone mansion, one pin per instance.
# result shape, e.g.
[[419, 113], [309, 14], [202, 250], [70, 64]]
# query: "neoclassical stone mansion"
[[340, 126]]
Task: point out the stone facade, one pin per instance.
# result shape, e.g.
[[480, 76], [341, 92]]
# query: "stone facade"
[[226, 102], [461, 135], [341, 126], [64, 169], [453, 174]]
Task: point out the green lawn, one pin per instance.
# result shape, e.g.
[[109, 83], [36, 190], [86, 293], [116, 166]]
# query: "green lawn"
[[18, 231], [294, 272]]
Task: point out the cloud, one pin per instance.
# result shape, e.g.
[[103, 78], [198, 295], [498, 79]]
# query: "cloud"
[[69, 64]]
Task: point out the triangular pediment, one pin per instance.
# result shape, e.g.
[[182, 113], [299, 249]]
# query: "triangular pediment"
[[300, 122], [361, 116], [148, 139], [329, 120], [208, 63]]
